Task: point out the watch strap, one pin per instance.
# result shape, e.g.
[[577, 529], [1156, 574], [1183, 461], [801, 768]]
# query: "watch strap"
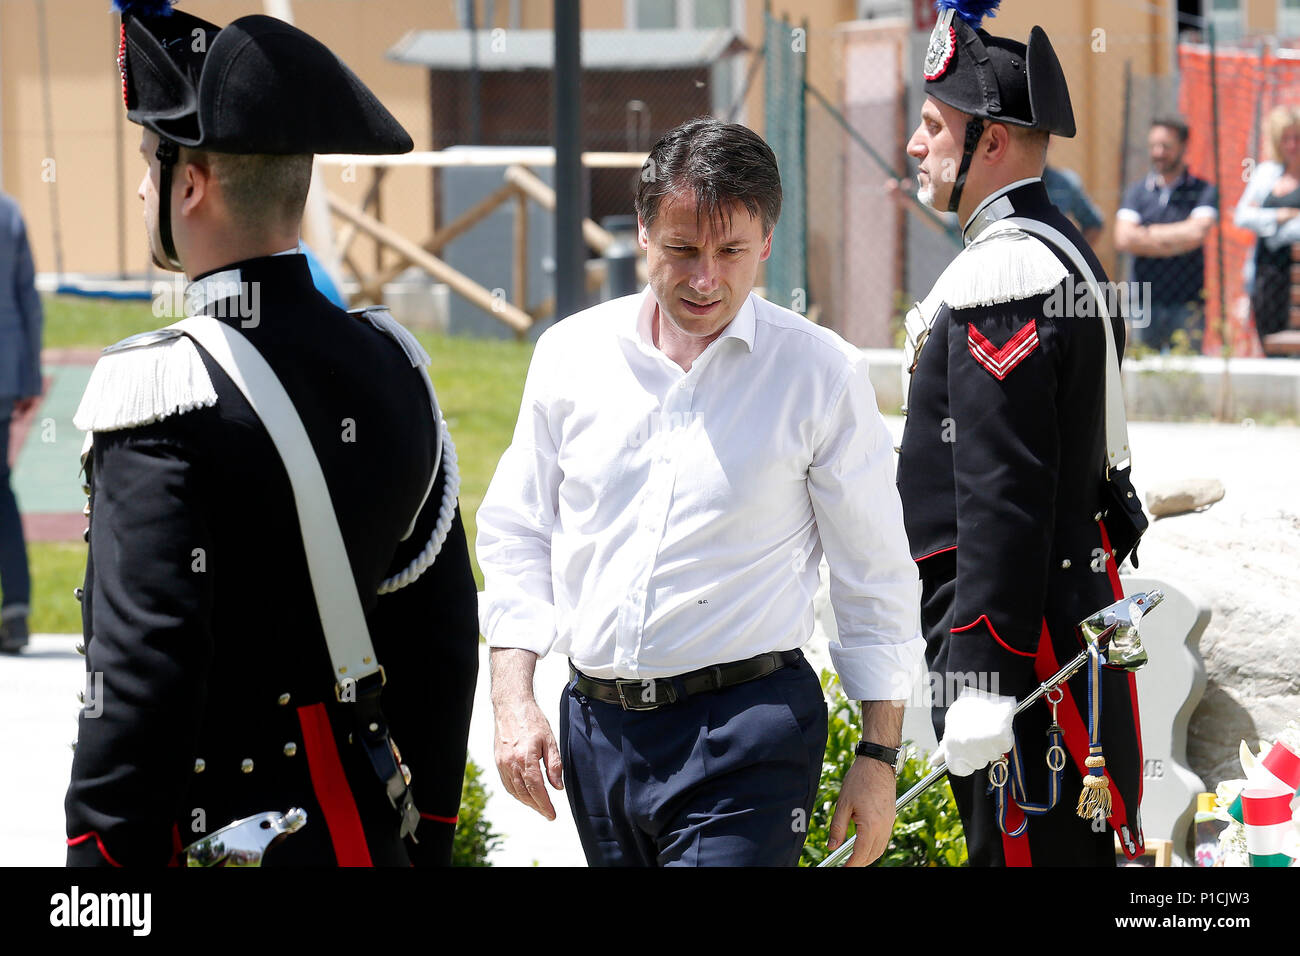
[[889, 755]]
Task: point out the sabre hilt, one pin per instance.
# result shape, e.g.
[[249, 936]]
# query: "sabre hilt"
[[245, 842]]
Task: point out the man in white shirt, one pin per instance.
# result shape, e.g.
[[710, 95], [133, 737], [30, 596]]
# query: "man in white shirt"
[[683, 458]]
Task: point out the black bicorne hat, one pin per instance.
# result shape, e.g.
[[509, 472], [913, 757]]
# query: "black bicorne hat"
[[259, 85], [996, 78], [993, 78]]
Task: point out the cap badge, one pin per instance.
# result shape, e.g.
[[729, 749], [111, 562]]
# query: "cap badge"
[[943, 44]]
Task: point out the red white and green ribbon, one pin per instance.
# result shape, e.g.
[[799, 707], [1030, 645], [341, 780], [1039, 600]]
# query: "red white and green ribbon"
[[1267, 804]]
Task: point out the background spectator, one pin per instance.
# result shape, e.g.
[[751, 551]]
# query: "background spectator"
[[1065, 190], [20, 387], [1270, 208], [1162, 223]]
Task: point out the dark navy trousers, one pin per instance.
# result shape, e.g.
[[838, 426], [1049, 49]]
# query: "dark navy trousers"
[[726, 778]]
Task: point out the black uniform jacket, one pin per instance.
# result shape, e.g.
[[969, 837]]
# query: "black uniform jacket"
[[1000, 475], [217, 697]]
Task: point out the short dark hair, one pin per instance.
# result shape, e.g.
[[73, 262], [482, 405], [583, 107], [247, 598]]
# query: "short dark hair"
[[1174, 123], [262, 191], [721, 163]]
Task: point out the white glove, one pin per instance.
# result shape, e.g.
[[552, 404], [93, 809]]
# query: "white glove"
[[977, 731]]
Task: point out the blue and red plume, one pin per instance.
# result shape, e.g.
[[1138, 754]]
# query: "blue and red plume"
[[972, 11], [143, 8]]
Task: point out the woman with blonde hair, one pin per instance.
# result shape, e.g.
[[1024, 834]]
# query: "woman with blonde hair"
[[1270, 208]]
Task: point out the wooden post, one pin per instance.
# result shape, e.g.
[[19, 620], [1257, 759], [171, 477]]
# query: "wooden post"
[[463, 223], [521, 251], [460, 283]]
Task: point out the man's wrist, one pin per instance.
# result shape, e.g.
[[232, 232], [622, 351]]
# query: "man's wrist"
[[892, 757]]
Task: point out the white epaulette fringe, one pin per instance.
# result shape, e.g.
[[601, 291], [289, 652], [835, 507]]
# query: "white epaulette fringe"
[[1002, 265], [142, 380]]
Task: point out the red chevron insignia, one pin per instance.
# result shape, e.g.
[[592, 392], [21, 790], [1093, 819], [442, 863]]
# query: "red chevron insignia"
[[1000, 361]]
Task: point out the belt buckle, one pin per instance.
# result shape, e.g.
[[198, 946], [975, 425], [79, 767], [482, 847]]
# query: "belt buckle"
[[639, 688]]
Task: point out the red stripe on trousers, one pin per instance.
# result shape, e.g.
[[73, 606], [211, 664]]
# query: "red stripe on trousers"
[[1073, 727], [331, 787], [1015, 850]]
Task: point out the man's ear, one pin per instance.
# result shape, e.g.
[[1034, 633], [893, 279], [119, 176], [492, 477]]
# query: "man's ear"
[[997, 142], [767, 248], [195, 183], [642, 235]]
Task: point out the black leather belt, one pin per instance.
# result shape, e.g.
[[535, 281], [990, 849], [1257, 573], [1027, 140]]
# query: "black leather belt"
[[651, 693]]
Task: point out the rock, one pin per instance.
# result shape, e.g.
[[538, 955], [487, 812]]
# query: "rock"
[[1179, 497]]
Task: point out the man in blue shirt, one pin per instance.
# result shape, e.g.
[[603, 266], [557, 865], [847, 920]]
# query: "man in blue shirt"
[[1065, 190], [1163, 222], [20, 388]]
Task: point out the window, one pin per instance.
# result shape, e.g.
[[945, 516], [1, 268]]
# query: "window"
[[1227, 19], [1288, 19]]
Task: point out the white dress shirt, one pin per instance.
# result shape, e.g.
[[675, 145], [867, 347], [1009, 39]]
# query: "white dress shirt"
[[647, 521]]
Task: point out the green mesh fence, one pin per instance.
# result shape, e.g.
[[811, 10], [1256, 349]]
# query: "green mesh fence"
[[784, 124]]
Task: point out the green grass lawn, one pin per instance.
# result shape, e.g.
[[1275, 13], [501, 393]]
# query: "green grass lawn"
[[479, 383]]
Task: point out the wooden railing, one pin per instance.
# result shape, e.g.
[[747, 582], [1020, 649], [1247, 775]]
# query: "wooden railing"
[[520, 186]]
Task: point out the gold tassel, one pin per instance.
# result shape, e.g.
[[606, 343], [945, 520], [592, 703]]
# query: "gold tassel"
[[1094, 799]]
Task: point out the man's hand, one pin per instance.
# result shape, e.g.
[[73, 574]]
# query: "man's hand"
[[523, 734], [867, 798]]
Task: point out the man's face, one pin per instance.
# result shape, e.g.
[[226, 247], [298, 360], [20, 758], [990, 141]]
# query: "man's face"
[[148, 192], [702, 271], [937, 147], [1166, 150]]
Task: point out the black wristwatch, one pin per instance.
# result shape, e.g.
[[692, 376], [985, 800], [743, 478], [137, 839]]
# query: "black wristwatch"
[[890, 755]]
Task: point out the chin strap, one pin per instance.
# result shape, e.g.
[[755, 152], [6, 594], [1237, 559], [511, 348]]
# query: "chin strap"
[[168, 154], [974, 132]]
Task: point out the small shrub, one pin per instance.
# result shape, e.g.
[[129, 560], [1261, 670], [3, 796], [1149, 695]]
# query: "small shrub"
[[475, 838], [928, 831]]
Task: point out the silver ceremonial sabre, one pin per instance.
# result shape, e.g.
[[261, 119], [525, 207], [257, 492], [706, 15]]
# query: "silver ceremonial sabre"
[[244, 842], [1113, 631]]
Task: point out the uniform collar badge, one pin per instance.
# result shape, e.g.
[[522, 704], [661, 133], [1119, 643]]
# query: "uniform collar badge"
[[943, 44]]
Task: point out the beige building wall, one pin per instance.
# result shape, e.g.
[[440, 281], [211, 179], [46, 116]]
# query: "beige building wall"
[[90, 170], [90, 174]]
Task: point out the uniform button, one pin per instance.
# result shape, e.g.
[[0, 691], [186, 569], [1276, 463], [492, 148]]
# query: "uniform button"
[[290, 749], [85, 536], [86, 510], [373, 728], [1065, 565], [283, 700], [81, 697], [1097, 516], [200, 764], [79, 593], [73, 746], [81, 649], [246, 765]]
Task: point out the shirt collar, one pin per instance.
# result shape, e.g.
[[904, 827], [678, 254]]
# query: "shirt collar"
[[741, 327], [995, 206], [1153, 181], [216, 286]]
